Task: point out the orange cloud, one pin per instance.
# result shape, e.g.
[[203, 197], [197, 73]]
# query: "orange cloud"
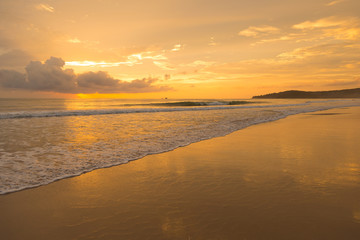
[[322, 23], [332, 3], [45, 7], [258, 31]]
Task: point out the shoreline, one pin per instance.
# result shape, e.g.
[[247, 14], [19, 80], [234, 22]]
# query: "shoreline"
[[242, 185], [165, 151]]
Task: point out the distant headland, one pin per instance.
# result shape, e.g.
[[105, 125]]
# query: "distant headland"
[[345, 93]]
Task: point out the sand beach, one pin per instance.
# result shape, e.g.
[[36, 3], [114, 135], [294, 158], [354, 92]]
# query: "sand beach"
[[295, 178]]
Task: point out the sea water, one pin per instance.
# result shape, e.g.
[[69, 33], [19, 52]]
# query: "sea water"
[[44, 140]]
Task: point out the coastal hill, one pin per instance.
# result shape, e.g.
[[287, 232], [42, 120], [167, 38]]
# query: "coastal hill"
[[345, 93]]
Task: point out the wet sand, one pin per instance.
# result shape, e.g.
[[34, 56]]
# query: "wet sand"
[[296, 178]]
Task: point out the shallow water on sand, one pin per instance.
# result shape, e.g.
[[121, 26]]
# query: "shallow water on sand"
[[296, 178], [45, 140]]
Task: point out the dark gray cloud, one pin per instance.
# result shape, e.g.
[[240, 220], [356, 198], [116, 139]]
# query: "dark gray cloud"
[[104, 83], [52, 77], [14, 58], [12, 79], [96, 80]]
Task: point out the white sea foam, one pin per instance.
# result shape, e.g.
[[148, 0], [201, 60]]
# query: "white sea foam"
[[39, 147]]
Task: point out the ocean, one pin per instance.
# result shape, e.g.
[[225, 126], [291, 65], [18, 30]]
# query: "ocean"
[[44, 140]]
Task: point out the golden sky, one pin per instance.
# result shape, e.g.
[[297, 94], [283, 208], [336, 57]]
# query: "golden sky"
[[177, 48]]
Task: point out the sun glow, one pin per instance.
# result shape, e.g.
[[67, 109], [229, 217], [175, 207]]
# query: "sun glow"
[[131, 60], [121, 95], [98, 64]]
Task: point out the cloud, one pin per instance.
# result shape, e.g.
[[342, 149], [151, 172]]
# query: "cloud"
[[52, 77], [287, 37], [177, 47], [212, 42], [253, 31], [332, 3], [45, 7], [163, 65], [323, 23], [130, 60], [325, 30], [12, 79], [100, 64], [102, 82], [332, 27], [74, 40], [199, 63], [14, 58], [323, 64], [167, 76], [350, 83]]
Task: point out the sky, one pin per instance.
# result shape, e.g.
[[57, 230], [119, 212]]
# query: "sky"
[[177, 48]]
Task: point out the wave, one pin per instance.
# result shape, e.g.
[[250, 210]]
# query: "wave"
[[67, 158], [188, 103], [66, 113], [212, 103]]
